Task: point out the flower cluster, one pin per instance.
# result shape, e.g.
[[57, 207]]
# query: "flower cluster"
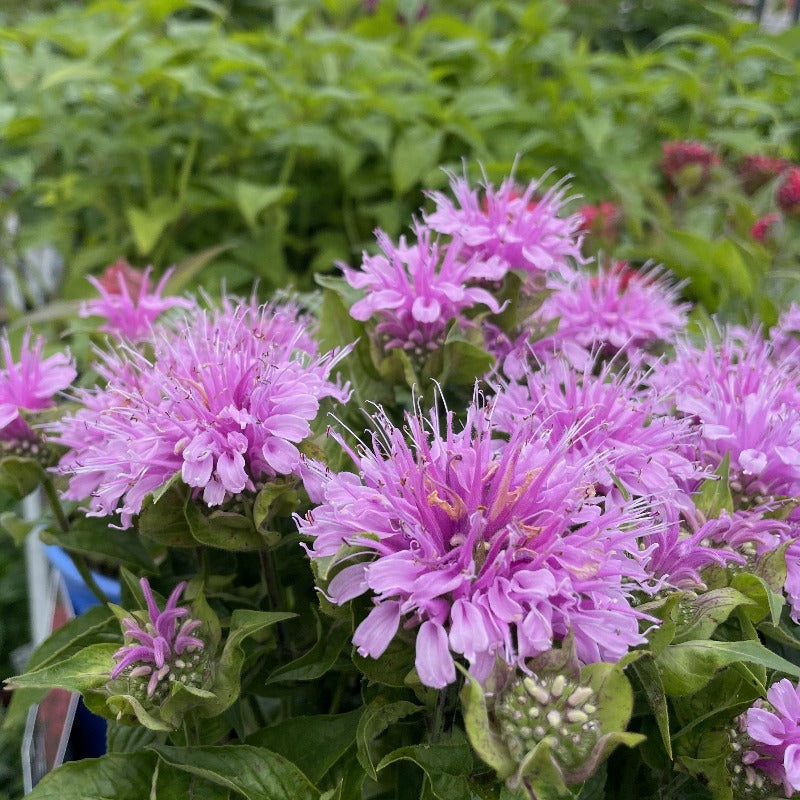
[[688, 164], [160, 648], [225, 401], [29, 384], [788, 193], [494, 548], [616, 310], [126, 302]]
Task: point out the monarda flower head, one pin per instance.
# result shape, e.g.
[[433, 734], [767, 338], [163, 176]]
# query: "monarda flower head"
[[616, 310], [785, 336], [529, 235], [766, 745], [742, 406], [225, 401], [756, 171], [688, 164], [416, 290], [492, 546], [609, 414], [788, 192], [126, 302], [160, 647], [29, 384]]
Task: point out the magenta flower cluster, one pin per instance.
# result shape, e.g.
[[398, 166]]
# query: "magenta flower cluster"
[[224, 402], [29, 384], [774, 729], [155, 644]]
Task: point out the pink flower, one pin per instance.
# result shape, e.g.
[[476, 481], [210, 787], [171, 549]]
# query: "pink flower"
[[763, 226], [601, 221], [774, 728], [525, 231], [158, 641], [757, 170], [491, 545], [225, 401], [126, 302], [29, 384], [417, 290], [618, 310]]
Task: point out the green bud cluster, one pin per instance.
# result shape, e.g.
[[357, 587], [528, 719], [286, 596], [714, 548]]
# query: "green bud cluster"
[[747, 782], [533, 708], [29, 448], [190, 669]]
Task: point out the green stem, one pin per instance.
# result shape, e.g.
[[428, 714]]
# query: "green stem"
[[272, 588], [77, 559]]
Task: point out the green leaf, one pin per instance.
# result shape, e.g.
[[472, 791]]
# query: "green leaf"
[[163, 519], [16, 527], [127, 776], [771, 567], [147, 224], [332, 735], [86, 669], [481, 733], [763, 601], [93, 536], [222, 529], [244, 623], [187, 270], [379, 715], [447, 765], [689, 666], [255, 772], [707, 611], [19, 476], [253, 198], [96, 625], [392, 668], [331, 640], [128, 738], [415, 153], [715, 495], [650, 681]]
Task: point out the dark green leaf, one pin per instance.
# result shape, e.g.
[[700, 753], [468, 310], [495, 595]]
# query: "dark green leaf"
[[379, 715]]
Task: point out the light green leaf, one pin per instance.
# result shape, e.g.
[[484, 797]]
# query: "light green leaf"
[[253, 198], [415, 153], [147, 224], [86, 669]]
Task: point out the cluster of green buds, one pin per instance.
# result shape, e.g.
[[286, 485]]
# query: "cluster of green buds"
[[551, 726], [532, 708], [165, 655]]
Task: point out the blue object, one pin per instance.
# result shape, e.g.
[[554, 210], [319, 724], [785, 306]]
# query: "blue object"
[[79, 593]]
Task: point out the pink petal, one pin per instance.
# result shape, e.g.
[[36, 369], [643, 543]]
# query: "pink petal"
[[373, 635], [434, 662]]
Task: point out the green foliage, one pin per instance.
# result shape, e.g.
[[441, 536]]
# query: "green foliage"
[[165, 129]]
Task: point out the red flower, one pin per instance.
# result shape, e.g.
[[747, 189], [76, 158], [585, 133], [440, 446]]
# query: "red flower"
[[601, 220], [755, 171], [120, 274], [688, 164], [763, 226], [788, 194]]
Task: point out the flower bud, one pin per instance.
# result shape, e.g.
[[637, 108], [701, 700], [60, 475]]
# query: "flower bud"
[[532, 708]]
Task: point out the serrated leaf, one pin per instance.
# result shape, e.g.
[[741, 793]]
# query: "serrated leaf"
[[226, 687], [689, 666], [221, 529], [122, 776], [86, 669]]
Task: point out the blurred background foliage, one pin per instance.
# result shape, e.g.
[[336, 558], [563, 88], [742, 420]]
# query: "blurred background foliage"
[[263, 140]]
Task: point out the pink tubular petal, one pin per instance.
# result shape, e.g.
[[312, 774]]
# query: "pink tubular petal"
[[373, 635], [434, 662]]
